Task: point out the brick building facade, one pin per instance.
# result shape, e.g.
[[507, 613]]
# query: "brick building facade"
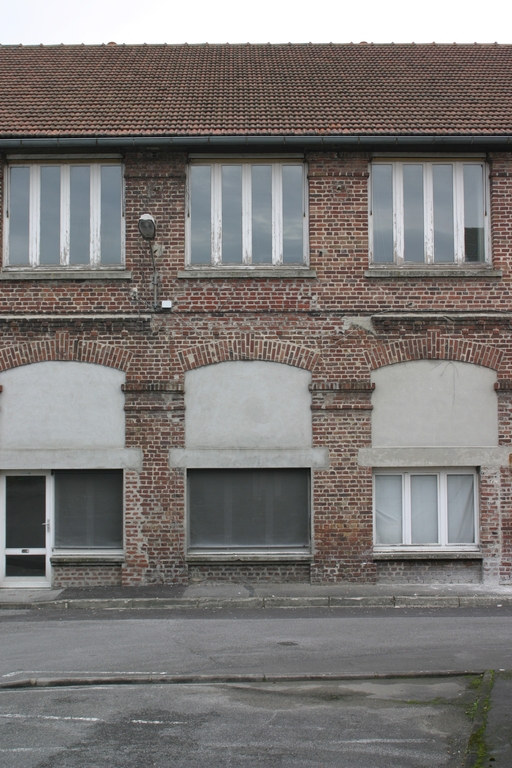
[[329, 402]]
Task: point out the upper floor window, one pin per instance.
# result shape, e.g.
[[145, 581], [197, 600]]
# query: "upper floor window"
[[247, 213], [429, 212], [68, 215]]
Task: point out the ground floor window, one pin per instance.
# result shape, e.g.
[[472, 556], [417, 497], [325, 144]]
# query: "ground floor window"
[[430, 508], [249, 508]]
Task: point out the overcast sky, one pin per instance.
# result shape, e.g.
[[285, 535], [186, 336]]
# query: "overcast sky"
[[260, 21]]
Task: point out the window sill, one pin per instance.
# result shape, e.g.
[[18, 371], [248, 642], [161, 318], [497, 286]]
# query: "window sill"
[[252, 556], [434, 554], [66, 274], [480, 271], [91, 558], [198, 273]]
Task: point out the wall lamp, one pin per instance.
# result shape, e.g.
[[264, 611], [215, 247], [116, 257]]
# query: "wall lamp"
[[147, 226]]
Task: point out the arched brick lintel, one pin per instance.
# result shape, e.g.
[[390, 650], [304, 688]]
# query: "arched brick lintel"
[[435, 347], [248, 348], [62, 347]]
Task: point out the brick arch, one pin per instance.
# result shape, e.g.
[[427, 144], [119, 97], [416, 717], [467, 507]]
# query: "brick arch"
[[433, 347], [63, 348], [248, 348]]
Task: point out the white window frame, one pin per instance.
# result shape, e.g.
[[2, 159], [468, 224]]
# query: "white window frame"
[[277, 213], [34, 215], [95, 552], [443, 545], [458, 213]]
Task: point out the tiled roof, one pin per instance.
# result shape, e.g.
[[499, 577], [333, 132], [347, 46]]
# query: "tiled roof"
[[290, 90]]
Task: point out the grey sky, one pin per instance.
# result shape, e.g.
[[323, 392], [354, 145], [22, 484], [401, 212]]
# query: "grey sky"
[[166, 21]]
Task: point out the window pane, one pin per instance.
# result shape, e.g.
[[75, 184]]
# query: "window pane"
[[231, 214], [444, 243], [19, 212], [49, 247], [111, 211], [200, 214], [89, 509], [293, 214], [474, 213], [25, 565], [382, 207], [25, 505], [414, 235], [388, 509], [249, 508], [461, 509], [424, 509], [261, 177], [80, 214]]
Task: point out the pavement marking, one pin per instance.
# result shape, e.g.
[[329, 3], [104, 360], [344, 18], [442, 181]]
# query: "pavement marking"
[[13, 716], [76, 672]]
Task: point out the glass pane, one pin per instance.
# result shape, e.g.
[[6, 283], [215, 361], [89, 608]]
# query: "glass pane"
[[293, 214], [25, 565], [49, 247], [382, 207], [200, 214], [261, 176], [111, 212], [80, 215], [474, 213], [25, 505], [89, 509], [444, 243], [414, 235], [388, 509], [461, 509], [249, 508], [424, 509], [231, 214], [19, 213]]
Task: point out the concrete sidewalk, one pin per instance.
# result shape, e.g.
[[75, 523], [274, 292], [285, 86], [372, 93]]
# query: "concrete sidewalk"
[[343, 595]]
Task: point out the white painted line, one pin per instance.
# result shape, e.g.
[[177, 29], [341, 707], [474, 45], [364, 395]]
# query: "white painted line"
[[50, 717], [78, 672]]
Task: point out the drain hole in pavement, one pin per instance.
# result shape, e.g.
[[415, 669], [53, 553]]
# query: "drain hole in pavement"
[[287, 642]]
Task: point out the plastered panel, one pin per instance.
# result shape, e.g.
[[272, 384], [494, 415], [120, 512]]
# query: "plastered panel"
[[61, 405], [427, 403], [247, 404]]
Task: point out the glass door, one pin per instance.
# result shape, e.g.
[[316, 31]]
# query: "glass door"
[[26, 527]]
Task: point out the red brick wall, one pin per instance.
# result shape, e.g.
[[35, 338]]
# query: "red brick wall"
[[322, 325]]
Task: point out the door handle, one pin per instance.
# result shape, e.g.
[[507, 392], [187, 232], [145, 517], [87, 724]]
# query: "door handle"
[[47, 526]]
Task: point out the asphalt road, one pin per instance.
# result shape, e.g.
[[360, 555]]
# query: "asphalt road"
[[221, 642], [403, 722]]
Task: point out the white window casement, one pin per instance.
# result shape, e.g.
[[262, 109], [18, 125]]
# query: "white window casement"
[[246, 214], [429, 213], [424, 510], [63, 513], [67, 215]]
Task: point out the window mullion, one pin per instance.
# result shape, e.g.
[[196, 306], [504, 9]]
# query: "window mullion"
[[458, 212], [246, 213], [216, 198], [95, 246], [406, 509], [65, 208], [34, 215], [429, 213], [277, 214], [398, 212], [305, 215]]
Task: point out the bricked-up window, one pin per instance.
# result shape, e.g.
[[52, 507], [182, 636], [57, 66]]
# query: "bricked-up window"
[[432, 509], [68, 215], [248, 509], [429, 212], [88, 509], [247, 213]]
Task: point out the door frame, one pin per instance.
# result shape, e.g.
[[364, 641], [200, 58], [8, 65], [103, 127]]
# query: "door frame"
[[27, 582]]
